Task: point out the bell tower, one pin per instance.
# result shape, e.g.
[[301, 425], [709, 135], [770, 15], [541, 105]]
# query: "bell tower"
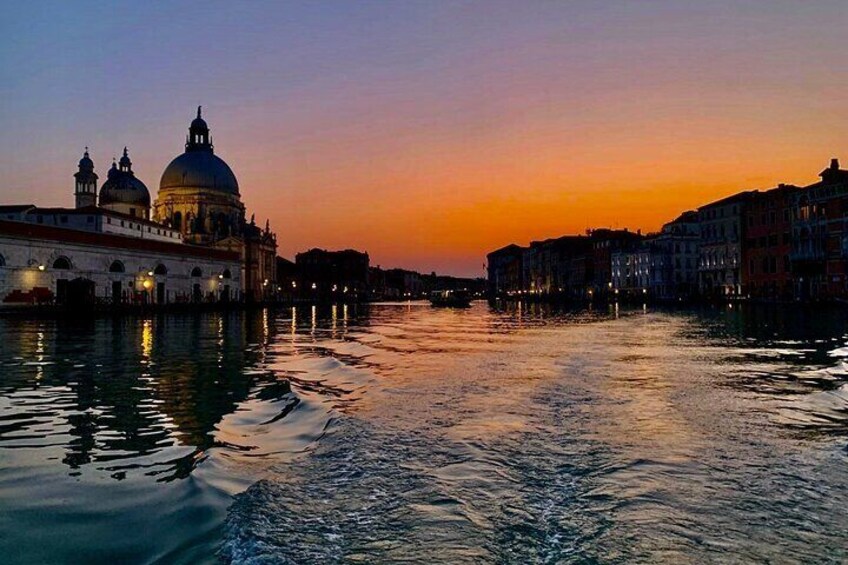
[[85, 187]]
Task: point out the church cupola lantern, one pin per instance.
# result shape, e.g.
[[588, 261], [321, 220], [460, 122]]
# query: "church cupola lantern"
[[198, 134], [85, 185], [125, 165]]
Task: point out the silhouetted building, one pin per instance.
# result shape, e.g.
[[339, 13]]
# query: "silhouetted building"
[[819, 246], [674, 269], [722, 225], [504, 269], [767, 244], [605, 242], [332, 275], [631, 270]]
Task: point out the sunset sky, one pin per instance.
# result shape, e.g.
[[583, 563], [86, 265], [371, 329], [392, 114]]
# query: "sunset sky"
[[429, 133]]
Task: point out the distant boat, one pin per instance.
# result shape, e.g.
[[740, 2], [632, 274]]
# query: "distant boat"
[[450, 298]]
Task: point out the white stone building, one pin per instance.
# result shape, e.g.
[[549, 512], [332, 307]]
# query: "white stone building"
[[47, 264], [111, 248]]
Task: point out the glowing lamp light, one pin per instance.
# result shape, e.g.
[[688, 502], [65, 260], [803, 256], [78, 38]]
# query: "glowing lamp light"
[[146, 284], [294, 284], [149, 273], [314, 286], [41, 267], [220, 276]]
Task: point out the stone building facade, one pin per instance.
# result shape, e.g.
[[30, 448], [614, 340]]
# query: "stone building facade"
[[819, 244], [47, 264], [198, 215], [767, 246], [722, 225]]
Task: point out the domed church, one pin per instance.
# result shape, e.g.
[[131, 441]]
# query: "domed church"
[[199, 196], [198, 193]]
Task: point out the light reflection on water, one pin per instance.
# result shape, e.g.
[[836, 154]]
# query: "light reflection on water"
[[404, 433]]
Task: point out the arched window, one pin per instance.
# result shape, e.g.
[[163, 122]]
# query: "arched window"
[[62, 263], [227, 274], [2, 260], [196, 272], [116, 267], [160, 270], [177, 223]]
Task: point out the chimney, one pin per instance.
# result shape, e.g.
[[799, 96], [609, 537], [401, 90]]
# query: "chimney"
[[834, 164]]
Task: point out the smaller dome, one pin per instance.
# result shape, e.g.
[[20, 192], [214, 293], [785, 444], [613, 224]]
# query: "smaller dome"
[[122, 187]]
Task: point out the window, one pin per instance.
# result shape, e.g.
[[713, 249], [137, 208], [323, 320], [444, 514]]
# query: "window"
[[116, 267], [2, 260], [62, 263], [226, 274], [196, 272], [160, 270], [122, 223], [108, 220]]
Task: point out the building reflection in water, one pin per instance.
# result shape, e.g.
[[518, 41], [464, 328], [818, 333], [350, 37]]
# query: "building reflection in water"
[[144, 395], [130, 394]]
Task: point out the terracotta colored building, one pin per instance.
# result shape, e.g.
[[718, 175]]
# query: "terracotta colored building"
[[819, 245], [767, 245]]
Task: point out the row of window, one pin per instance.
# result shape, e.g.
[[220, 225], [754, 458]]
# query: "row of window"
[[768, 241], [768, 265], [769, 219]]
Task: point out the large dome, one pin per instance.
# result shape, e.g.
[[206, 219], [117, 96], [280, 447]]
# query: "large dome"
[[200, 170]]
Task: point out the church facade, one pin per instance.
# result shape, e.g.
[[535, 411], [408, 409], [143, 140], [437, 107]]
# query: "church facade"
[[199, 197], [118, 246]]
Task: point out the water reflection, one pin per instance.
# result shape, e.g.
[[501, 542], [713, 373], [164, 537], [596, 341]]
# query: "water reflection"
[[404, 433]]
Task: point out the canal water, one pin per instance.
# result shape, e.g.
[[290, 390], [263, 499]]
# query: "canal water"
[[402, 433]]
